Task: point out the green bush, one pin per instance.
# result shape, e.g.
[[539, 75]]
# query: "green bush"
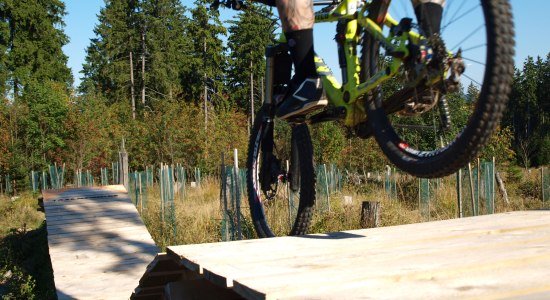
[[514, 174]]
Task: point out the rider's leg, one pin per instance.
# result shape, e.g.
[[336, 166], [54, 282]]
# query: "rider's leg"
[[428, 13], [306, 93]]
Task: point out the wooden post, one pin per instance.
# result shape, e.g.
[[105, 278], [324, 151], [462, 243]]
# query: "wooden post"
[[238, 193], [370, 214], [161, 182], [542, 184], [326, 186], [288, 196], [474, 213], [478, 206], [140, 194], [223, 195], [459, 192], [493, 185], [123, 166]]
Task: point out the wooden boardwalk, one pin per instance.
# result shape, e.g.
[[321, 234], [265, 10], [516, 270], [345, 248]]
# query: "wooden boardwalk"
[[487, 257], [98, 244]]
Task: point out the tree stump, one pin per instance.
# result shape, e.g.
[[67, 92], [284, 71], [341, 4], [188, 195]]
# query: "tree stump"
[[370, 214]]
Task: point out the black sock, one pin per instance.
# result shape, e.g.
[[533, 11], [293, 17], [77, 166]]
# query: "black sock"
[[429, 17], [300, 43]]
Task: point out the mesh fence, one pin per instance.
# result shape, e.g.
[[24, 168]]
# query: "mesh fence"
[[390, 183], [329, 181], [138, 189], [476, 192], [234, 225], [424, 197]]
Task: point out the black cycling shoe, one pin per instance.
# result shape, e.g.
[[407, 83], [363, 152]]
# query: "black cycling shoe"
[[302, 99]]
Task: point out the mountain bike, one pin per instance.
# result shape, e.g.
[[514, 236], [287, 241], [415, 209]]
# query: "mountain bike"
[[388, 66]]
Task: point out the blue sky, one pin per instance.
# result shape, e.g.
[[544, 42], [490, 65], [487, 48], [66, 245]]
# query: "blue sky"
[[530, 18]]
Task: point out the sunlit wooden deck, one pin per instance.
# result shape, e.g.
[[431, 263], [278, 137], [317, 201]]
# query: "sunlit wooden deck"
[[487, 257], [98, 244]]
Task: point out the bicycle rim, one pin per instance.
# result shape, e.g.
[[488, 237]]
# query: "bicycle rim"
[[419, 144], [285, 212]]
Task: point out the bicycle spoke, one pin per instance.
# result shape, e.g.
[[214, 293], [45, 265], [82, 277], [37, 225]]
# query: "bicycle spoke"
[[475, 81], [474, 61], [473, 47], [446, 10], [458, 18], [454, 15], [468, 36]]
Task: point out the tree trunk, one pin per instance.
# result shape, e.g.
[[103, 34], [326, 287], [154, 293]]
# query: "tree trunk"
[[132, 87], [501, 187], [370, 214]]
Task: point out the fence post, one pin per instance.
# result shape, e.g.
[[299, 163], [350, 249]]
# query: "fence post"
[[472, 189], [542, 185], [459, 192], [223, 198], [161, 183], [327, 190], [123, 166], [238, 192], [370, 214], [32, 181]]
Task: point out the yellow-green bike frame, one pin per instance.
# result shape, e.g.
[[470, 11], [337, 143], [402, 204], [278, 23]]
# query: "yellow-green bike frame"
[[349, 94]]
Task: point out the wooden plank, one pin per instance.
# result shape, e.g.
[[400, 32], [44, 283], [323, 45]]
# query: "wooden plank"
[[95, 222], [129, 247], [52, 194], [90, 208], [98, 244], [395, 236], [88, 199], [99, 228], [92, 215], [78, 212], [470, 257], [95, 241], [95, 218], [89, 235]]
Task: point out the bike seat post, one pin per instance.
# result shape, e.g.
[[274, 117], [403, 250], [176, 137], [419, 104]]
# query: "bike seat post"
[[269, 71]]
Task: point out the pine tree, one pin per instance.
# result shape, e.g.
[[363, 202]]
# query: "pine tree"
[[208, 58], [167, 47], [31, 38], [249, 35], [107, 66]]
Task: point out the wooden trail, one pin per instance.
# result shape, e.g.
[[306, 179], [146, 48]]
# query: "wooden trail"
[[487, 257], [98, 244]]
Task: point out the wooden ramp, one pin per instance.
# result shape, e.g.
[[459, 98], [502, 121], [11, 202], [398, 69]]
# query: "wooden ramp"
[[98, 244], [487, 257]]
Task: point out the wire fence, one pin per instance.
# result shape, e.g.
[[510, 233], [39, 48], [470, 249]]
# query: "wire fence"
[[476, 189]]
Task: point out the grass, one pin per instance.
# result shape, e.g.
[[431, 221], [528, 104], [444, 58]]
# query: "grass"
[[198, 219], [199, 215], [25, 267]]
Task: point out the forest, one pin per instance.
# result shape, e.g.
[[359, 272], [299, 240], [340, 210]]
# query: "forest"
[[175, 83]]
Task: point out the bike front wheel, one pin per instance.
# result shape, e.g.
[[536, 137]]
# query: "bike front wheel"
[[436, 141], [270, 182]]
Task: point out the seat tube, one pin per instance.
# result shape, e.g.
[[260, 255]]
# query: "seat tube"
[[269, 71]]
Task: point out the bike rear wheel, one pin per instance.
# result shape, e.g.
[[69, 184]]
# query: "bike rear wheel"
[[487, 45], [269, 182]]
